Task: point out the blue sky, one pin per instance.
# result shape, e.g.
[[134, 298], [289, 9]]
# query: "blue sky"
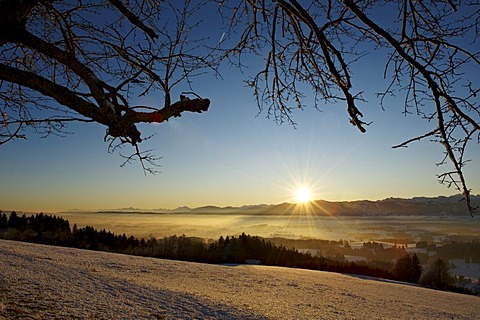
[[232, 155], [227, 156]]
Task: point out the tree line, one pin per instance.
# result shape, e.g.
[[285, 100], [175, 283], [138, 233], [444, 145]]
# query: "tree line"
[[52, 230]]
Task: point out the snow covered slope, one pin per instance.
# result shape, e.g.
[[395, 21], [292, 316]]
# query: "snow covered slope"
[[42, 282]]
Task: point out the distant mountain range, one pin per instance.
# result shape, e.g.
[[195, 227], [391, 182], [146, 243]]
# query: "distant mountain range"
[[452, 205]]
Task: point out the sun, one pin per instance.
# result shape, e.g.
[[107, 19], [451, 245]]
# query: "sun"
[[303, 195]]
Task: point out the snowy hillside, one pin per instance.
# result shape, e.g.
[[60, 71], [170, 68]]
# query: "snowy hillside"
[[41, 282]]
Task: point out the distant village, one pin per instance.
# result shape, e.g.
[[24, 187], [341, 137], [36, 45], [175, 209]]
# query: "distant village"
[[462, 257]]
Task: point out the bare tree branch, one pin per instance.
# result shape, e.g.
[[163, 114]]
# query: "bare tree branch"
[[60, 62], [134, 19], [406, 143], [314, 44], [54, 59]]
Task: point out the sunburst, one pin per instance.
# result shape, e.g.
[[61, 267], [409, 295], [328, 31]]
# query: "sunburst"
[[303, 195]]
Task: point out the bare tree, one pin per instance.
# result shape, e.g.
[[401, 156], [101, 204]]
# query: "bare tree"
[[430, 50], [63, 61]]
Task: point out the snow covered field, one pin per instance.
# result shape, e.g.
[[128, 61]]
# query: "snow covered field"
[[42, 282]]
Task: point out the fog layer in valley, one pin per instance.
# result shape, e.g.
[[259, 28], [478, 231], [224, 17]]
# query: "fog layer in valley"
[[51, 282], [394, 229]]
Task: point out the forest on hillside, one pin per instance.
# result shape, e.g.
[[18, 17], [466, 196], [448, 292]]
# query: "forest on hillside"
[[53, 230]]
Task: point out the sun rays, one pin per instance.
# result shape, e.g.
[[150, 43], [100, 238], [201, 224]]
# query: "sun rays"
[[297, 186]]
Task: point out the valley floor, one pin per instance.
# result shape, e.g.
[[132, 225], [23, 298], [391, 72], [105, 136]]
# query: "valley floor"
[[44, 282]]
